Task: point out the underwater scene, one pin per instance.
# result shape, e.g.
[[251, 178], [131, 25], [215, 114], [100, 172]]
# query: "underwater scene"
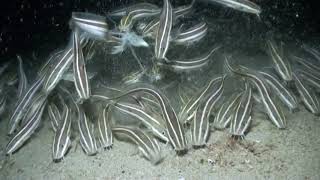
[[146, 89]]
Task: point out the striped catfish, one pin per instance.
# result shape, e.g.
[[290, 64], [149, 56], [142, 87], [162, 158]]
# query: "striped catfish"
[[94, 25], [242, 118], [311, 79], [315, 53], [281, 63], [51, 59], [285, 95], [192, 34], [311, 67], [33, 118], [128, 20], [59, 67], [307, 95], [126, 23], [23, 82], [23, 104], [200, 124], [275, 113], [104, 127], [256, 97], [39, 100], [54, 115], [87, 139], [90, 50], [174, 129], [79, 69], [134, 8], [151, 28], [106, 93], [149, 105], [156, 125], [189, 109], [189, 64], [62, 141], [164, 31], [225, 113], [181, 11], [55, 72], [147, 145], [240, 5]]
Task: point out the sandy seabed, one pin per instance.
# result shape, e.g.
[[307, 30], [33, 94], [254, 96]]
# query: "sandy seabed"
[[265, 153]]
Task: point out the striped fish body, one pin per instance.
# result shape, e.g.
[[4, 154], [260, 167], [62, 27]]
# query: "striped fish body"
[[23, 82], [182, 11], [284, 94], [200, 124], [164, 31], [126, 23], [62, 141], [308, 97], [150, 105], [189, 109], [44, 68], [173, 127], [95, 26], [79, 69], [226, 112], [174, 130], [37, 103], [312, 68], [151, 28], [242, 118], [87, 139], [54, 115], [311, 79], [157, 127], [281, 64], [189, 64], [256, 97], [23, 104], [274, 112], [26, 131], [192, 34], [104, 127], [315, 53], [240, 5], [90, 50], [147, 145], [134, 8], [55, 72], [129, 20]]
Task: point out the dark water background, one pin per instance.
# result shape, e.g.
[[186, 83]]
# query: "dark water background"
[[38, 27]]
